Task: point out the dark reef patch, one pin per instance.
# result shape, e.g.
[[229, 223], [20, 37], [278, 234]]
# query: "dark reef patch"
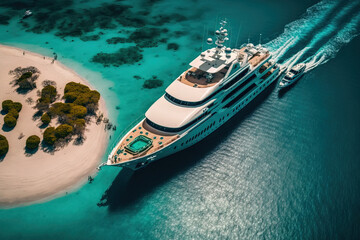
[[4, 20], [147, 37], [173, 46], [53, 5], [74, 23], [162, 19], [153, 83], [116, 40], [128, 55], [94, 37]]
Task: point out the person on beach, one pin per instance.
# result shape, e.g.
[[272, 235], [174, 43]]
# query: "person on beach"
[[23, 52]]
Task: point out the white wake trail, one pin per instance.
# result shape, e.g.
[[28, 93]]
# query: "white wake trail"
[[333, 46], [301, 28]]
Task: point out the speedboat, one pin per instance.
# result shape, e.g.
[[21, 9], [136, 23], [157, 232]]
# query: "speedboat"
[[293, 75], [27, 14]]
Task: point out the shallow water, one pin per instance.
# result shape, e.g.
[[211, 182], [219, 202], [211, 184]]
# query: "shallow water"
[[287, 167]]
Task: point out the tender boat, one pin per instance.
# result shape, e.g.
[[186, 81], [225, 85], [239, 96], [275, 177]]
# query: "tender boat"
[[293, 75], [27, 14]]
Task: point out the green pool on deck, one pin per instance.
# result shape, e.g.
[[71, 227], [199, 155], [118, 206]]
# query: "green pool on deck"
[[139, 144]]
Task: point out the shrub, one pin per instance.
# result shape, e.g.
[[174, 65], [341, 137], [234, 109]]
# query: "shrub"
[[10, 121], [78, 111], [4, 145], [32, 142], [49, 136], [79, 122], [17, 106], [13, 113], [25, 77], [8, 104], [76, 87], [48, 93], [45, 118], [63, 130], [58, 109], [70, 96], [80, 94], [25, 82]]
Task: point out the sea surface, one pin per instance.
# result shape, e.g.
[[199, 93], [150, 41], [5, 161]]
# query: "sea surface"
[[287, 167]]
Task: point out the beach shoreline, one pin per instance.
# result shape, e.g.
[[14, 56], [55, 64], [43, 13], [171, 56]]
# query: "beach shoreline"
[[43, 176]]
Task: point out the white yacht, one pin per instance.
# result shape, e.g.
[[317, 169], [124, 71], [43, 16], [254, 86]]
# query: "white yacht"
[[293, 75], [219, 83]]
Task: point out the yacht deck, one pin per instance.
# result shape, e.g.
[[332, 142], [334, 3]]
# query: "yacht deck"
[[196, 78], [257, 58], [159, 140]]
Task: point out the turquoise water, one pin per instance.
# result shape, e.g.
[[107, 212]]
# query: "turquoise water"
[[285, 168]]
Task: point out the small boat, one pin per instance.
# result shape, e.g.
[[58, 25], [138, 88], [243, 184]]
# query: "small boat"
[[293, 75], [27, 14]]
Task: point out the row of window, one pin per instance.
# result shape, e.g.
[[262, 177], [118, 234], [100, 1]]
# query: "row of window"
[[241, 95], [238, 88], [223, 118], [261, 87], [198, 134]]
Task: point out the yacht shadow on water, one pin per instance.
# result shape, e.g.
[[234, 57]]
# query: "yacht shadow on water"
[[129, 187]]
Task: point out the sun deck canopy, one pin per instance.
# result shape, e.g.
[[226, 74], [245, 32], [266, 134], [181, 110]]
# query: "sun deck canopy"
[[187, 93], [211, 62], [167, 114]]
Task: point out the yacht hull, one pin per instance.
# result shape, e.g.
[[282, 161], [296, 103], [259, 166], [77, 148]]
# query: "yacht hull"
[[200, 131]]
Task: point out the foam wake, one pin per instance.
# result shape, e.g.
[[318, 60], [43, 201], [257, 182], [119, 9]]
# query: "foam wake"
[[341, 29], [333, 46], [297, 30]]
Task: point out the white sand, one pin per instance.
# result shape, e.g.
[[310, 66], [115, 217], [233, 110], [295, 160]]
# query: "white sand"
[[43, 176]]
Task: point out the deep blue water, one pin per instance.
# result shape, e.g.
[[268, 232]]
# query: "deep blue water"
[[285, 168]]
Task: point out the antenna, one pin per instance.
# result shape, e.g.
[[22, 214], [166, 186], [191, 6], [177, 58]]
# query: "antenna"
[[249, 38], [202, 46], [260, 39], [238, 35]]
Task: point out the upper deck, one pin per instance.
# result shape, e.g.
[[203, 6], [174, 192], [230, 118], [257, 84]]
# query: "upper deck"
[[197, 78], [255, 58]]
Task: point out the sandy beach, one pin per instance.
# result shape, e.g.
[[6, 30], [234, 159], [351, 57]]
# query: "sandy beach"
[[42, 176]]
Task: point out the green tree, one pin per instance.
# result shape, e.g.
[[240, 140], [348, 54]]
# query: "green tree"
[[76, 87], [45, 118], [63, 130], [78, 111], [49, 93], [10, 121], [4, 145], [7, 105], [13, 113], [32, 142], [17, 106], [49, 136], [79, 126]]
